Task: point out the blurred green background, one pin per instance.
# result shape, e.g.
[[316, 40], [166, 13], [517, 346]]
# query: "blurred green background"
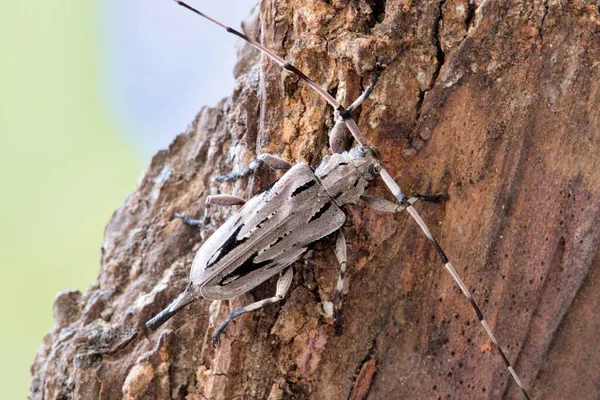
[[88, 92], [65, 169]]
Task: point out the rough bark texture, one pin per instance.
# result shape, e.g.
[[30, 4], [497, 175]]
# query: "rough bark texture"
[[495, 103]]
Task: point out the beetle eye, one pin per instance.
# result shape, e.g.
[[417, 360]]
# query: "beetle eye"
[[374, 169]]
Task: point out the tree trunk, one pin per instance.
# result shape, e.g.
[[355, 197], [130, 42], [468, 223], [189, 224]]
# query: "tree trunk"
[[495, 103]]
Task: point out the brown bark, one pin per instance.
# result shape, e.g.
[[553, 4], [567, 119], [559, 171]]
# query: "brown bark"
[[495, 104]]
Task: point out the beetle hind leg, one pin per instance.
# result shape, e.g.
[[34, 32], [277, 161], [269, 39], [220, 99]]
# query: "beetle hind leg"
[[283, 284], [272, 161], [332, 308], [340, 254]]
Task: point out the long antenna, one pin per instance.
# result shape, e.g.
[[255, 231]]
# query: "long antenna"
[[413, 213], [387, 178], [345, 114]]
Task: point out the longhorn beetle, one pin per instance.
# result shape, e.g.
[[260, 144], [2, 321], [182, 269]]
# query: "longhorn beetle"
[[274, 228]]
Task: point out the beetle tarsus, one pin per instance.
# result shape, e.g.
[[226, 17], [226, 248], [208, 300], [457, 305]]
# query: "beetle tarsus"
[[221, 328], [232, 176], [186, 219], [214, 340], [435, 198]]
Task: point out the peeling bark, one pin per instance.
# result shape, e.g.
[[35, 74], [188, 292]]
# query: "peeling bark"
[[495, 103]]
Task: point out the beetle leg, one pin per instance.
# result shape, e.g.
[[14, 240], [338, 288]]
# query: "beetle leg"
[[220, 200], [283, 284], [340, 253], [338, 136], [272, 161], [367, 92], [380, 204], [217, 200], [186, 219], [383, 205], [185, 298], [224, 200]]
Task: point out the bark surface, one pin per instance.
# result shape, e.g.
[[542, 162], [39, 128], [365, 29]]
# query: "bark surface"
[[495, 103]]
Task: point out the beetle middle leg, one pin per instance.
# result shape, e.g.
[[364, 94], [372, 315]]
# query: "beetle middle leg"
[[283, 285], [367, 92], [217, 200], [380, 204], [273, 161]]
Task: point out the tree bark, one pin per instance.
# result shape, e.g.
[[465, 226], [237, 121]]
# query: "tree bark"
[[494, 103]]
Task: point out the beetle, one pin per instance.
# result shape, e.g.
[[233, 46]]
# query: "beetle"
[[276, 227]]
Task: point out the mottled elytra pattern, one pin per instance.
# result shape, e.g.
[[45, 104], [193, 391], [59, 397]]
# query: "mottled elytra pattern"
[[273, 232]]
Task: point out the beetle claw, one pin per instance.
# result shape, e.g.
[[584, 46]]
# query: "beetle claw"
[[186, 219]]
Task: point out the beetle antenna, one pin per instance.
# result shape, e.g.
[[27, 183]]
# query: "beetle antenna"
[[413, 213], [391, 184]]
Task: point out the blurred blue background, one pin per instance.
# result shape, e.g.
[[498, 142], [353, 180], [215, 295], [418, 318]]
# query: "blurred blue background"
[[88, 92]]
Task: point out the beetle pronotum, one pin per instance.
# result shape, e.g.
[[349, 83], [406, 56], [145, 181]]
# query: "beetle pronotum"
[[275, 228]]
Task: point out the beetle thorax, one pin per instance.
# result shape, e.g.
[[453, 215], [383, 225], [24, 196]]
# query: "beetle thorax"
[[346, 175]]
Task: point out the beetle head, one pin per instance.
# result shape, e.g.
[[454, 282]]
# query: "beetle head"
[[367, 161]]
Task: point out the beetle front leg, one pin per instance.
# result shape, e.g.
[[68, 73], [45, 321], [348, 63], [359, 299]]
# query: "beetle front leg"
[[383, 205], [283, 284], [274, 162], [367, 92], [217, 200], [338, 136]]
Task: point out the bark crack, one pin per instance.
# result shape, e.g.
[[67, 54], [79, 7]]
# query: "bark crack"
[[544, 15], [377, 12], [440, 57], [471, 7]]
